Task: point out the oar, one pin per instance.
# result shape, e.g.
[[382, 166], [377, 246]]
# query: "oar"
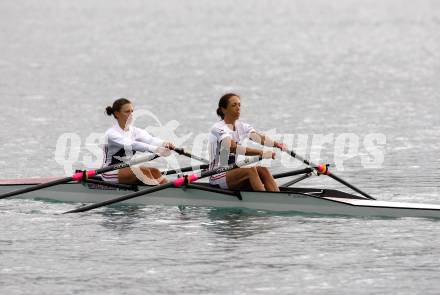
[[296, 180], [323, 169], [79, 175], [185, 169], [181, 151], [175, 183], [292, 173]]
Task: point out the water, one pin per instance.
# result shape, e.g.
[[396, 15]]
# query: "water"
[[301, 67]]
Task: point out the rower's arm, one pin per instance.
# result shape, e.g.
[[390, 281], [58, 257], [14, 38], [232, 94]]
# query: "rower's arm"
[[230, 145], [264, 139], [145, 137], [123, 142]]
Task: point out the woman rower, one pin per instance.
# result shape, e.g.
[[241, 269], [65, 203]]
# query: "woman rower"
[[226, 137], [122, 138]]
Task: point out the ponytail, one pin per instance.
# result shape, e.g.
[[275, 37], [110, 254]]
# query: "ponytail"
[[117, 105], [109, 110]]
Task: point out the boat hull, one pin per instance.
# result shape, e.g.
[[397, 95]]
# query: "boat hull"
[[310, 201]]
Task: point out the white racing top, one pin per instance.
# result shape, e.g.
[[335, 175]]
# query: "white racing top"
[[118, 141], [220, 131]]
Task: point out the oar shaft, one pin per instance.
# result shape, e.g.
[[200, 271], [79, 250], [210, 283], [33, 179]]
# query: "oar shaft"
[[298, 157], [36, 187], [182, 152], [292, 173], [296, 180], [185, 169], [122, 165], [245, 162], [79, 175], [176, 183], [328, 173], [90, 173], [350, 185], [121, 199]]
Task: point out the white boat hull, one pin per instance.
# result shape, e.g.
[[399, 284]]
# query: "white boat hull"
[[312, 201]]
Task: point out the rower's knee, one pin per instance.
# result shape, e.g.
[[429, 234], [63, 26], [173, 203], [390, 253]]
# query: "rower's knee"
[[149, 171], [252, 171], [163, 180], [262, 169], [155, 172], [263, 172]]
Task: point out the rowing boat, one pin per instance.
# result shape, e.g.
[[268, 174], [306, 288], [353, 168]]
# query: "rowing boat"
[[302, 200]]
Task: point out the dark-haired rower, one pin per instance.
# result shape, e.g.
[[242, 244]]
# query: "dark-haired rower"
[[226, 137], [123, 140]]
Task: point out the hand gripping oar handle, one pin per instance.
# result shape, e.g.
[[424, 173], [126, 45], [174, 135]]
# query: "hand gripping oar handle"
[[176, 183], [78, 176], [323, 169]]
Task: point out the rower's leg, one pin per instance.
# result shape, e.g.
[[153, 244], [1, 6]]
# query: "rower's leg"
[[156, 174], [147, 175], [241, 178], [125, 175], [266, 177]]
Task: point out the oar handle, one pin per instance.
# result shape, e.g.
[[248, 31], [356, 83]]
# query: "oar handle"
[[298, 157]]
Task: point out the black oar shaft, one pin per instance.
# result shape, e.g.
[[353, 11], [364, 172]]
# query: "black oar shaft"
[[35, 187], [185, 169], [298, 157], [296, 180], [126, 164], [350, 185], [77, 176], [292, 173], [182, 152], [122, 198], [314, 166], [176, 183]]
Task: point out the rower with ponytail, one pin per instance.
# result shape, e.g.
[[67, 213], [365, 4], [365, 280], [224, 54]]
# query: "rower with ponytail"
[[124, 140], [226, 142]]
